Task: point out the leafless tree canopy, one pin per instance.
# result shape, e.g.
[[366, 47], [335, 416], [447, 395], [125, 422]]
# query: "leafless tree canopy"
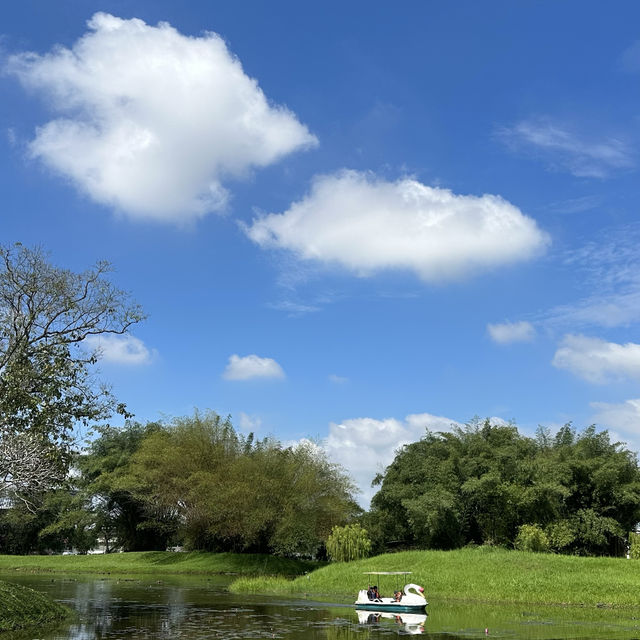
[[27, 468]]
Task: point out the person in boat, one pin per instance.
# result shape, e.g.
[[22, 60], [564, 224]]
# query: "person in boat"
[[372, 593], [397, 596]]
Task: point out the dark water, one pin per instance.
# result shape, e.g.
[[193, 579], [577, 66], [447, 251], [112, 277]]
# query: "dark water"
[[197, 608]]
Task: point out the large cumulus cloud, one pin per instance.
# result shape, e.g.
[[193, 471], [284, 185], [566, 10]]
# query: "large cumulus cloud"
[[152, 121], [366, 224]]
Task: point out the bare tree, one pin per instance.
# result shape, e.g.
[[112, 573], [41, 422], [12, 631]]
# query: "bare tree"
[[27, 468]]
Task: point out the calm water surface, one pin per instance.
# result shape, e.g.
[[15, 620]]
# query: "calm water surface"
[[197, 608]]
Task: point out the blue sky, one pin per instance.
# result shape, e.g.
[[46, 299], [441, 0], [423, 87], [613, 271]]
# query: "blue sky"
[[346, 221]]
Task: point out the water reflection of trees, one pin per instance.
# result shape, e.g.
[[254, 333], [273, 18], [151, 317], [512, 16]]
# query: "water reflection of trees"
[[108, 607]]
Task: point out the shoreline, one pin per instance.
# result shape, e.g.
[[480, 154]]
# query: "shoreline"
[[25, 608], [158, 563], [482, 575]]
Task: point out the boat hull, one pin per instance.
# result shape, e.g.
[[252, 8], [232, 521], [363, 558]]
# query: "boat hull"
[[397, 607]]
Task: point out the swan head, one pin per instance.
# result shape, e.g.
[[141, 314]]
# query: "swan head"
[[416, 588]]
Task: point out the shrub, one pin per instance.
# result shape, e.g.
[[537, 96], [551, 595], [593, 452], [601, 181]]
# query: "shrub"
[[561, 535], [531, 538], [347, 543]]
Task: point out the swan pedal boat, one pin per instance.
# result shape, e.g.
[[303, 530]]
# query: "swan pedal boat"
[[412, 601]]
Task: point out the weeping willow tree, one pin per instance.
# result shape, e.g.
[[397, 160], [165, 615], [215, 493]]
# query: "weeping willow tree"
[[348, 543]]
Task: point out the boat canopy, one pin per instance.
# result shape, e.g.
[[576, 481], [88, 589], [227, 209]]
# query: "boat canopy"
[[387, 573]]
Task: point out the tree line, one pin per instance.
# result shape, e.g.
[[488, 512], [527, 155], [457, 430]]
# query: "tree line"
[[569, 492], [198, 483], [195, 483]]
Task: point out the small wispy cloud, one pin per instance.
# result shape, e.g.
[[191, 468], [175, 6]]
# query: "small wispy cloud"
[[609, 272], [116, 349], [565, 150], [607, 290], [251, 367], [249, 423], [11, 137], [597, 360], [623, 419], [630, 59], [610, 310], [576, 205], [338, 379], [293, 308], [508, 332]]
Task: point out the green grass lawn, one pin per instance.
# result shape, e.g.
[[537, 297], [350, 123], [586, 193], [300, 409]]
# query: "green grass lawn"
[[22, 608], [476, 575], [480, 574], [160, 562]]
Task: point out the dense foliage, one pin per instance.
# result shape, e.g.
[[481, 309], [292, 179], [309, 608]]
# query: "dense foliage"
[[195, 483], [229, 492], [481, 483], [348, 543]]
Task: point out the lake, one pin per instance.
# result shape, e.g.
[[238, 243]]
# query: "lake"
[[198, 608]]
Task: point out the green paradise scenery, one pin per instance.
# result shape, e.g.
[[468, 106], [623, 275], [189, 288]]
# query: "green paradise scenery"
[[480, 512]]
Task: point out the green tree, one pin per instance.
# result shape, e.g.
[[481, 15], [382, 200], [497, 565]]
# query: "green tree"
[[348, 543], [453, 488], [483, 482], [119, 519], [231, 493], [72, 524], [47, 315], [20, 528]]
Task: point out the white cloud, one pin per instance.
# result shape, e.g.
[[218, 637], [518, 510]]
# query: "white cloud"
[[294, 309], [565, 150], [153, 120], [337, 379], [249, 423], [366, 224], [596, 360], [609, 270], [622, 419], [604, 310], [252, 366], [508, 332], [366, 446], [125, 349], [576, 205]]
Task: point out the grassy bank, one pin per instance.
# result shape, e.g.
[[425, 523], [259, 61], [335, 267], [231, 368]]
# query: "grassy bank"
[[22, 608], [476, 575], [160, 562]]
